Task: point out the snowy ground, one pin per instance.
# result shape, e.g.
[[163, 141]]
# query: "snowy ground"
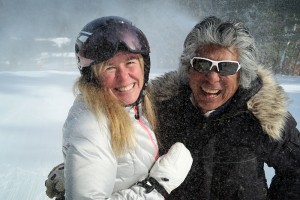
[[33, 108]]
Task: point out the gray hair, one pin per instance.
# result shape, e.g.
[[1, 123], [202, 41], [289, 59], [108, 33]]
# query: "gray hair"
[[214, 31]]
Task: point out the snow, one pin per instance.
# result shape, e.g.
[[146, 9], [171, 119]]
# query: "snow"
[[34, 105]]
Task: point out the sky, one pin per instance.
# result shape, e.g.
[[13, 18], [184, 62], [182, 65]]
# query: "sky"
[[34, 106]]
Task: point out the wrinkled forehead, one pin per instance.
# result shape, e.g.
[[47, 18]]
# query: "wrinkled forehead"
[[216, 52]]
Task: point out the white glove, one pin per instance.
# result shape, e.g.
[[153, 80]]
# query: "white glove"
[[171, 169], [55, 183]]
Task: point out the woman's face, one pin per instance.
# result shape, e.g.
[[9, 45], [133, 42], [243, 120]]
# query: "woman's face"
[[122, 75]]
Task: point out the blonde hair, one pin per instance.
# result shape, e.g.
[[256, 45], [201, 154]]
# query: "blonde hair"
[[100, 101]]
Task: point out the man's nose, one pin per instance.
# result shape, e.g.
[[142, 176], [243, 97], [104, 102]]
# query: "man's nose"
[[213, 75]]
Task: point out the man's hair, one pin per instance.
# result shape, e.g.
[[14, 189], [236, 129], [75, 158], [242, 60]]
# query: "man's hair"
[[214, 31]]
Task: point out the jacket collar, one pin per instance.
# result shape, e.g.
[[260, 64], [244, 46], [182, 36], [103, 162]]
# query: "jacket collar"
[[269, 105]]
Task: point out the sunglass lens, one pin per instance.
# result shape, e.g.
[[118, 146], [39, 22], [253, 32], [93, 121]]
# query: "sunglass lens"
[[227, 68], [201, 65]]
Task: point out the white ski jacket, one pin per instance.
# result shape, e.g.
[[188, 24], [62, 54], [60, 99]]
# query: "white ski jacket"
[[91, 169]]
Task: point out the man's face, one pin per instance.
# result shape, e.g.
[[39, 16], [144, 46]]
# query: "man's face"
[[211, 90]]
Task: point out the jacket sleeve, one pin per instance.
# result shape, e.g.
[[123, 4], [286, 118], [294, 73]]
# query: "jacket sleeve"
[[285, 159], [90, 165]]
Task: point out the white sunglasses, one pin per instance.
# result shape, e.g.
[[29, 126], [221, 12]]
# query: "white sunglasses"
[[224, 67]]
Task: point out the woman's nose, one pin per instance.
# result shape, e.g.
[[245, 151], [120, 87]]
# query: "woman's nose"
[[122, 73]]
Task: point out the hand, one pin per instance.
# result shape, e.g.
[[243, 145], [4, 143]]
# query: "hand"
[[55, 183], [171, 169]]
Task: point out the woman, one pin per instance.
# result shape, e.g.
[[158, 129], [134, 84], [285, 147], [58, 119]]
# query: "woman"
[[109, 145]]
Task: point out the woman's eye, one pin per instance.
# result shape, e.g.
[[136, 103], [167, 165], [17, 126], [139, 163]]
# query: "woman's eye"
[[109, 68], [134, 61]]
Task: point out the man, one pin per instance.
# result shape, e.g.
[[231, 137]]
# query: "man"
[[231, 114]]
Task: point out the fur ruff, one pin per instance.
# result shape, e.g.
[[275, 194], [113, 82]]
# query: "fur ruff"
[[269, 105]]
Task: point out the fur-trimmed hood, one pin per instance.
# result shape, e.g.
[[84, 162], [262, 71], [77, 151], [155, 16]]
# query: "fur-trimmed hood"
[[269, 104]]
